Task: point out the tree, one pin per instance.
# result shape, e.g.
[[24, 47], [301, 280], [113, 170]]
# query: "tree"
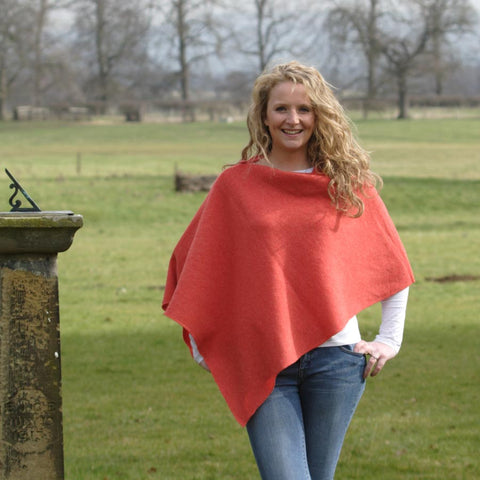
[[40, 61], [192, 34], [266, 30], [358, 24], [422, 24], [272, 27], [448, 19], [402, 46], [400, 41], [40, 19], [14, 30], [112, 36]]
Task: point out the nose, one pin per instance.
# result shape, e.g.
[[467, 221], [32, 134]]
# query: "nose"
[[292, 116]]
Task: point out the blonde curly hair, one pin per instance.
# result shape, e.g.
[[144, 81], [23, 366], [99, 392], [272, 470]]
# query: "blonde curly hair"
[[332, 149]]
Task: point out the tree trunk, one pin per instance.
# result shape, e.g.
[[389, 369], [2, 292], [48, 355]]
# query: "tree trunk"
[[39, 26], [439, 74], [437, 63], [372, 55], [103, 73], [402, 95], [3, 90], [188, 110], [182, 51], [260, 4]]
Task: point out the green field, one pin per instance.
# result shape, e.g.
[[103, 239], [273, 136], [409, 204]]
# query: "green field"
[[137, 407]]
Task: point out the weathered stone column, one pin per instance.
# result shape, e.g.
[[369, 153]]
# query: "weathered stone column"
[[31, 432]]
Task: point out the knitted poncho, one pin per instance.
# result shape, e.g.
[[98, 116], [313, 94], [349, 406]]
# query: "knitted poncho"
[[268, 269]]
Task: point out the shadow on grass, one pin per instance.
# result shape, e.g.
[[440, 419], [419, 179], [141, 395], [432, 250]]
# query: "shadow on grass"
[[136, 406]]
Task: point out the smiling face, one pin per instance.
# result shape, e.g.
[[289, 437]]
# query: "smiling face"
[[291, 120]]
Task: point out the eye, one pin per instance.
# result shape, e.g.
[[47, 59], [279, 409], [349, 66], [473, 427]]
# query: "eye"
[[305, 109], [280, 108]]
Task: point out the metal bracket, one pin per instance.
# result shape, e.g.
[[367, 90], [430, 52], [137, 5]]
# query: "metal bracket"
[[16, 206]]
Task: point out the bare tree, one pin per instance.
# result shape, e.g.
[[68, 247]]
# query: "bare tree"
[[403, 44], [403, 40], [272, 22], [39, 11], [112, 34], [14, 30], [449, 20], [266, 30], [422, 24], [358, 24], [40, 20], [192, 34]]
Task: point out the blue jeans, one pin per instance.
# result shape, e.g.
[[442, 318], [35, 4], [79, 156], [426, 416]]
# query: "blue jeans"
[[298, 432]]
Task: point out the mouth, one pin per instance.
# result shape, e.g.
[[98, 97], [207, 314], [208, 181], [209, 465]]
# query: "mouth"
[[292, 132]]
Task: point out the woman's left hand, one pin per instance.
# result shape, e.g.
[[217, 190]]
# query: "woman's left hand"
[[379, 354]]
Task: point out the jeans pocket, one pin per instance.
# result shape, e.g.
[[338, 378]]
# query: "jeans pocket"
[[348, 349]]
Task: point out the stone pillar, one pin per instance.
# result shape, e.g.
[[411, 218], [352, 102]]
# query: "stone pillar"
[[31, 433]]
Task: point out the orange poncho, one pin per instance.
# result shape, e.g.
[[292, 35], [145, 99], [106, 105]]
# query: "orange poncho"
[[268, 269]]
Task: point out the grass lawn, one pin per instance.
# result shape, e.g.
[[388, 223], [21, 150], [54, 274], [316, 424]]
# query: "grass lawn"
[[136, 406]]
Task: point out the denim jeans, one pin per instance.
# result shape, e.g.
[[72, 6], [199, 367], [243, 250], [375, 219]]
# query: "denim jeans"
[[298, 432]]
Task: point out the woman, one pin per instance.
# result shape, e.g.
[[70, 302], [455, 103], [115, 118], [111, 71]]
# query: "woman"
[[289, 245]]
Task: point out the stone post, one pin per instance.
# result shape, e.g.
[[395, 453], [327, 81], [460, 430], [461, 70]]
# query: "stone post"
[[31, 433]]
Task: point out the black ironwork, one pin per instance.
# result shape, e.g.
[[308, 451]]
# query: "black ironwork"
[[17, 204]]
